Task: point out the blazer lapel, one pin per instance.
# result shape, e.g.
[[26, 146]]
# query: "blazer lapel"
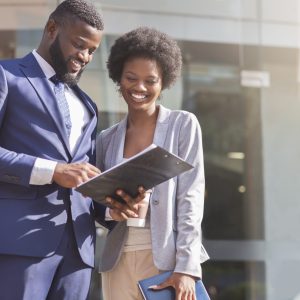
[[118, 141], [40, 83], [117, 145], [162, 125]]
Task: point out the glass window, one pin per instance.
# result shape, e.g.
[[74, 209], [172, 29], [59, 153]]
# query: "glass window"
[[230, 119], [8, 44], [235, 280]]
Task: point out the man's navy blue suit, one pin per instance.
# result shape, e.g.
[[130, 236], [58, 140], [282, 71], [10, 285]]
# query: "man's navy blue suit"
[[33, 218]]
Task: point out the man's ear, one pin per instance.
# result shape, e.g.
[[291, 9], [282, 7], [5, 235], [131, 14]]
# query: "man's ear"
[[51, 28]]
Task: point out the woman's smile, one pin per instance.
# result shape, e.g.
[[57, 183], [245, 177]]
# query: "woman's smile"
[[141, 82]]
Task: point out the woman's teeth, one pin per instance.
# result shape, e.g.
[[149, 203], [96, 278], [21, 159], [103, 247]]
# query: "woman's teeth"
[[138, 97]]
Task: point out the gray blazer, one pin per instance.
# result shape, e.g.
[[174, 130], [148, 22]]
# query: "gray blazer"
[[176, 205]]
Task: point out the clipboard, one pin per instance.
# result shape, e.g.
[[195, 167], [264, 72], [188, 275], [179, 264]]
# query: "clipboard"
[[148, 168]]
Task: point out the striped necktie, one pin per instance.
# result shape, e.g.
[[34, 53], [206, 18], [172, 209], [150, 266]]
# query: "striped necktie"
[[59, 90]]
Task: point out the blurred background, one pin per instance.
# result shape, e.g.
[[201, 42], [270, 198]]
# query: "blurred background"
[[241, 78]]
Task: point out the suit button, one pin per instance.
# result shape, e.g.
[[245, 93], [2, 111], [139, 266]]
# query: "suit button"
[[155, 202]]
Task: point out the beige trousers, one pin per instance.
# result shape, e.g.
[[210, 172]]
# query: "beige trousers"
[[121, 282]]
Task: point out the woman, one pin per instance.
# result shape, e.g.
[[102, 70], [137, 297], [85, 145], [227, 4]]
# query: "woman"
[[143, 63]]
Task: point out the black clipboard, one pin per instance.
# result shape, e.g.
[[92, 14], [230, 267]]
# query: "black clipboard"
[[148, 168]]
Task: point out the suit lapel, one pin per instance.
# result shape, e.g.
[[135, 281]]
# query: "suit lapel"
[[85, 100], [93, 121], [40, 83]]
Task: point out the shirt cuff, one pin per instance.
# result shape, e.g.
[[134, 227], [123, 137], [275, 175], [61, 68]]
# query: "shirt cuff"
[[42, 172]]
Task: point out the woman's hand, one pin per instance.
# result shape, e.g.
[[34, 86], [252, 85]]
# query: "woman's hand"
[[121, 212], [183, 284]]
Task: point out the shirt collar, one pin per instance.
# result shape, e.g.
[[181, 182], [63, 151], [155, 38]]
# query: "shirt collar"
[[45, 66]]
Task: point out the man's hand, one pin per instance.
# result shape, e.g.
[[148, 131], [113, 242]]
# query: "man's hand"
[[120, 211], [183, 284], [71, 175]]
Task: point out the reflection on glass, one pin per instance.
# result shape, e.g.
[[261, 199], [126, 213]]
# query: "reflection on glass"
[[229, 116], [8, 44], [234, 280]]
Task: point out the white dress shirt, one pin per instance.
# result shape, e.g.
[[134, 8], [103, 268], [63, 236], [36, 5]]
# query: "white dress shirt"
[[43, 170]]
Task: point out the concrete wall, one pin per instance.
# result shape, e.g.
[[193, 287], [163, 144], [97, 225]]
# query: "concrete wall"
[[266, 22]]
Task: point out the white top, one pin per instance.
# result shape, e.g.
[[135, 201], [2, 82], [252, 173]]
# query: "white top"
[[139, 238]]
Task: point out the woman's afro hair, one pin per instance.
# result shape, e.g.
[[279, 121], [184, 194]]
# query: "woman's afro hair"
[[147, 43]]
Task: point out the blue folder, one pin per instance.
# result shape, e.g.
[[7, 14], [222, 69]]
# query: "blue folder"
[[169, 292]]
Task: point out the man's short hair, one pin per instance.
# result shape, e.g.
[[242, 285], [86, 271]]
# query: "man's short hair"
[[81, 9]]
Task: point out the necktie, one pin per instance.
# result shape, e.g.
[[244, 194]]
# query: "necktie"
[[59, 90]]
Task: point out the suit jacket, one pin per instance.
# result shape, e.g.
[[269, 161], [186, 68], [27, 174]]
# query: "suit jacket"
[[176, 206], [33, 217]]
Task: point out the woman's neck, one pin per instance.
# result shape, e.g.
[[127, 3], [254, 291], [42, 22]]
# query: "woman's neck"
[[142, 119], [140, 131]]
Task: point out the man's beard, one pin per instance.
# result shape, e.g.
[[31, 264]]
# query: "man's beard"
[[60, 65]]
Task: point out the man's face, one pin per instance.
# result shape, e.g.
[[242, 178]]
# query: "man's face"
[[72, 49], [60, 65]]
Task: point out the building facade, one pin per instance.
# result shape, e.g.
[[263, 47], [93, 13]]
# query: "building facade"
[[241, 78]]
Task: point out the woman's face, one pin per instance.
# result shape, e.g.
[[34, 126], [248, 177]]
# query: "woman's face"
[[141, 83]]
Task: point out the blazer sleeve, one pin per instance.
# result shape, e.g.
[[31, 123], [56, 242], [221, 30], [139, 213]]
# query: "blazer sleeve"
[[190, 199], [14, 167]]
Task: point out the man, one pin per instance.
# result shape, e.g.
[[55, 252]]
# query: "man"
[[47, 147]]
